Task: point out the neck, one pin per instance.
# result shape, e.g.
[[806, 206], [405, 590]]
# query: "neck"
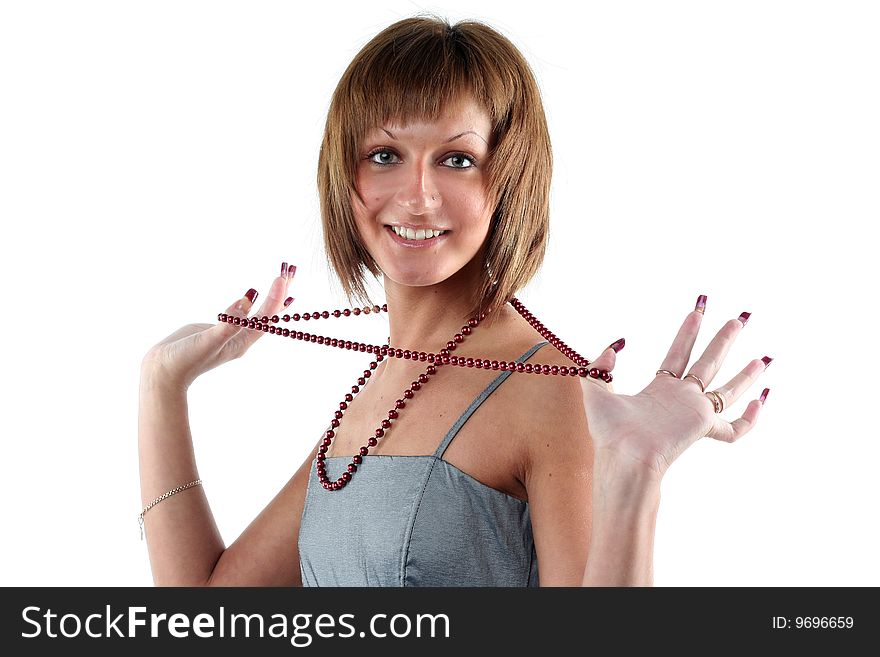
[[425, 318]]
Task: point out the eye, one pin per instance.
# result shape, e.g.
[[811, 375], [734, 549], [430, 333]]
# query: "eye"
[[458, 157]]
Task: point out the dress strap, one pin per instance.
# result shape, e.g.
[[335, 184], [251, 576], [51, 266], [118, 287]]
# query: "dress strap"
[[479, 400]]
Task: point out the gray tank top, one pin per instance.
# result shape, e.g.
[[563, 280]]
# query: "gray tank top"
[[416, 521]]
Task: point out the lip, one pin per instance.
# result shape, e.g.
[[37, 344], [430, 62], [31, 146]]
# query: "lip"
[[415, 244]]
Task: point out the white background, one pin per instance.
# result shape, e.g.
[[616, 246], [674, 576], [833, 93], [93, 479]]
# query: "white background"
[[158, 159]]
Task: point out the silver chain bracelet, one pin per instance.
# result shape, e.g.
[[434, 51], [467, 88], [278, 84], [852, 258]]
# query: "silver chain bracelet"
[[163, 496]]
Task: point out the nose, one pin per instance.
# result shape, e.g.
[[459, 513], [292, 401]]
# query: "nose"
[[418, 194]]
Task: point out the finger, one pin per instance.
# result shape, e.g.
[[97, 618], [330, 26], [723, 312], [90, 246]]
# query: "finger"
[[606, 361], [709, 363], [679, 354], [223, 331], [732, 431], [734, 389], [272, 304]]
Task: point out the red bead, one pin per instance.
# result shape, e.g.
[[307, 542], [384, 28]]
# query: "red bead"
[[352, 467], [398, 353], [336, 313], [392, 414], [334, 423], [274, 319], [346, 476], [299, 335], [285, 332], [494, 364], [453, 360], [545, 369], [431, 358], [458, 337], [348, 344], [469, 362], [594, 373], [320, 457], [423, 356], [362, 381], [554, 369], [528, 368], [380, 433], [444, 352], [370, 348], [431, 369], [348, 397], [407, 354], [357, 458], [385, 307], [342, 406], [451, 345], [374, 365], [296, 317], [346, 312], [325, 314], [307, 316], [362, 347], [322, 449], [466, 330], [478, 363], [376, 309], [408, 394], [423, 378], [328, 435], [472, 322], [367, 310], [400, 403], [364, 451], [415, 385], [320, 339], [372, 442], [355, 389], [338, 415], [356, 311], [444, 359]]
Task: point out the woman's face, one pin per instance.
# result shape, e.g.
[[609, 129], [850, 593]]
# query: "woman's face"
[[425, 176]]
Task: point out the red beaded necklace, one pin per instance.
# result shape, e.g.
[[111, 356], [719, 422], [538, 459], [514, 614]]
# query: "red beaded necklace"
[[444, 357]]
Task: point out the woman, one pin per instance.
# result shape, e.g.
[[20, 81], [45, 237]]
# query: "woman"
[[541, 480]]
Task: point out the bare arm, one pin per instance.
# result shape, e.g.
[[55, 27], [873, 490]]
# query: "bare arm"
[[184, 544], [625, 504]]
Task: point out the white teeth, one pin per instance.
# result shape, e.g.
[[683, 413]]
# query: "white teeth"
[[417, 235]]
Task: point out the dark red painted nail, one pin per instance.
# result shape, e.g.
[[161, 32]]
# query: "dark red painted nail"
[[251, 295], [763, 396], [701, 304], [767, 360], [283, 270], [288, 301], [744, 317], [618, 345]]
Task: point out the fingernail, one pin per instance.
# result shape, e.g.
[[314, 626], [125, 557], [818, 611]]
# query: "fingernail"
[[618, 345], [288, 301], [251, 295], [767, 360], [701, 304], [744, 317], [763, 396], [284, 270], [291, 271]]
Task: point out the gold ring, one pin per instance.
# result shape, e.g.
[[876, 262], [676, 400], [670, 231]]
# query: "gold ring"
[[667, 372], [699, 380]]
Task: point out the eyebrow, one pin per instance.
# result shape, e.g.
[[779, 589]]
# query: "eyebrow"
[[453, 138]]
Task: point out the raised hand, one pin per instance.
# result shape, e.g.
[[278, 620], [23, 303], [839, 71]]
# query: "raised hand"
[[194, 349], [654, 427]]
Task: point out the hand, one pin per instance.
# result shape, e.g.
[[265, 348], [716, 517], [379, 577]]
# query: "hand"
[[196, 348], [656, 426]]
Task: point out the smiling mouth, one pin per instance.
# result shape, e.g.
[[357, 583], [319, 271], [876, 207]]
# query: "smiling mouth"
[[420, 235]]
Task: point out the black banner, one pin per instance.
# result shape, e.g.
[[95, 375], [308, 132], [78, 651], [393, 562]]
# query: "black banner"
[[397, 621]]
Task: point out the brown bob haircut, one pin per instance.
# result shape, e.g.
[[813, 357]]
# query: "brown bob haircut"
[[411, 70]]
